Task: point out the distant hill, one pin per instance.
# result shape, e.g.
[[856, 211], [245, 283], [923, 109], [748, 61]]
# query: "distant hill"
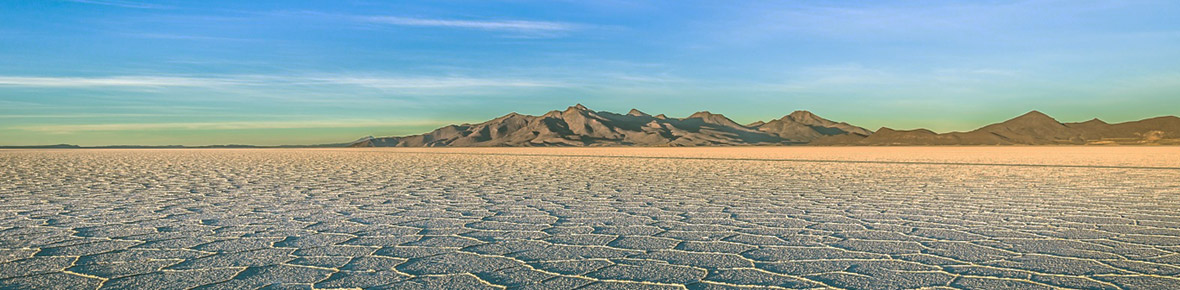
[[580, 126], [55, 146], [1036, 128]]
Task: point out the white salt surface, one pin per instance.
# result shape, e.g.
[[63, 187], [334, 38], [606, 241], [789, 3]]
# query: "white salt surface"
[[858, 218]]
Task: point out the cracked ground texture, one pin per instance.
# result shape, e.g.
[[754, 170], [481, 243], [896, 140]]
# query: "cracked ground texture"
[[618, 218]]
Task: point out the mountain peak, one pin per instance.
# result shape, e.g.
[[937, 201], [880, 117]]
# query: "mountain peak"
[[578, 107], [1033, 116], [637, 113], [716, 119], [807, 118], [701, 114], [801, 114], [509, 116]]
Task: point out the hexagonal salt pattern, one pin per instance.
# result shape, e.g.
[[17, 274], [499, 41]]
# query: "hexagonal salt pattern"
[[250, 219]]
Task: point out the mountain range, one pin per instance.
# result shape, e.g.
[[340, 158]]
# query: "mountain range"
[[580, 126]]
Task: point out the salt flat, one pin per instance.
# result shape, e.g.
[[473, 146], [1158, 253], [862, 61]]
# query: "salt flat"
[[635, 218]]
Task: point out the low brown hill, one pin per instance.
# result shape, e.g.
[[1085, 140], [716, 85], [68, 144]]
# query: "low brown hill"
[[1036, 128]]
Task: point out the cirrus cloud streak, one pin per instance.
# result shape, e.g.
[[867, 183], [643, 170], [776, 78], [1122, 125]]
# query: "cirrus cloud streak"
[[264, 80], [505, 25]]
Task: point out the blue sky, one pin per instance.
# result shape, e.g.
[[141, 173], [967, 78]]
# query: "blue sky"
[[101, 72]]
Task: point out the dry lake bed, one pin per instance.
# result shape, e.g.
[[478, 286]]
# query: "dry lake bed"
[[616, 218]]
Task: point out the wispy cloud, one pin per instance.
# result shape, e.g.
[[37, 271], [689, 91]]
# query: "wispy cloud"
[[428, 82], [109, 81], [65, 116], [235, 125], [500, 25], [122, 3], [377, 82]]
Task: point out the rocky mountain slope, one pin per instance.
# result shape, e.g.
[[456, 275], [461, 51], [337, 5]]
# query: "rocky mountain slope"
[[580, 126]]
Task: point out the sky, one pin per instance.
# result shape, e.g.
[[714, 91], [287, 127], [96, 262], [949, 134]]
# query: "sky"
[[107, 72]]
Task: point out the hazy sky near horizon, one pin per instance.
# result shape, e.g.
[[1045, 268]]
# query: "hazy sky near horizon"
[[102, 72]]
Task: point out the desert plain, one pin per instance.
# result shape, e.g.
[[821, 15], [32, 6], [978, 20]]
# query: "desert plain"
[[592, 218]]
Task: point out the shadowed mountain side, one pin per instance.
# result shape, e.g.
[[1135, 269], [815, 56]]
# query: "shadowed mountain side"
[[580, 126]]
